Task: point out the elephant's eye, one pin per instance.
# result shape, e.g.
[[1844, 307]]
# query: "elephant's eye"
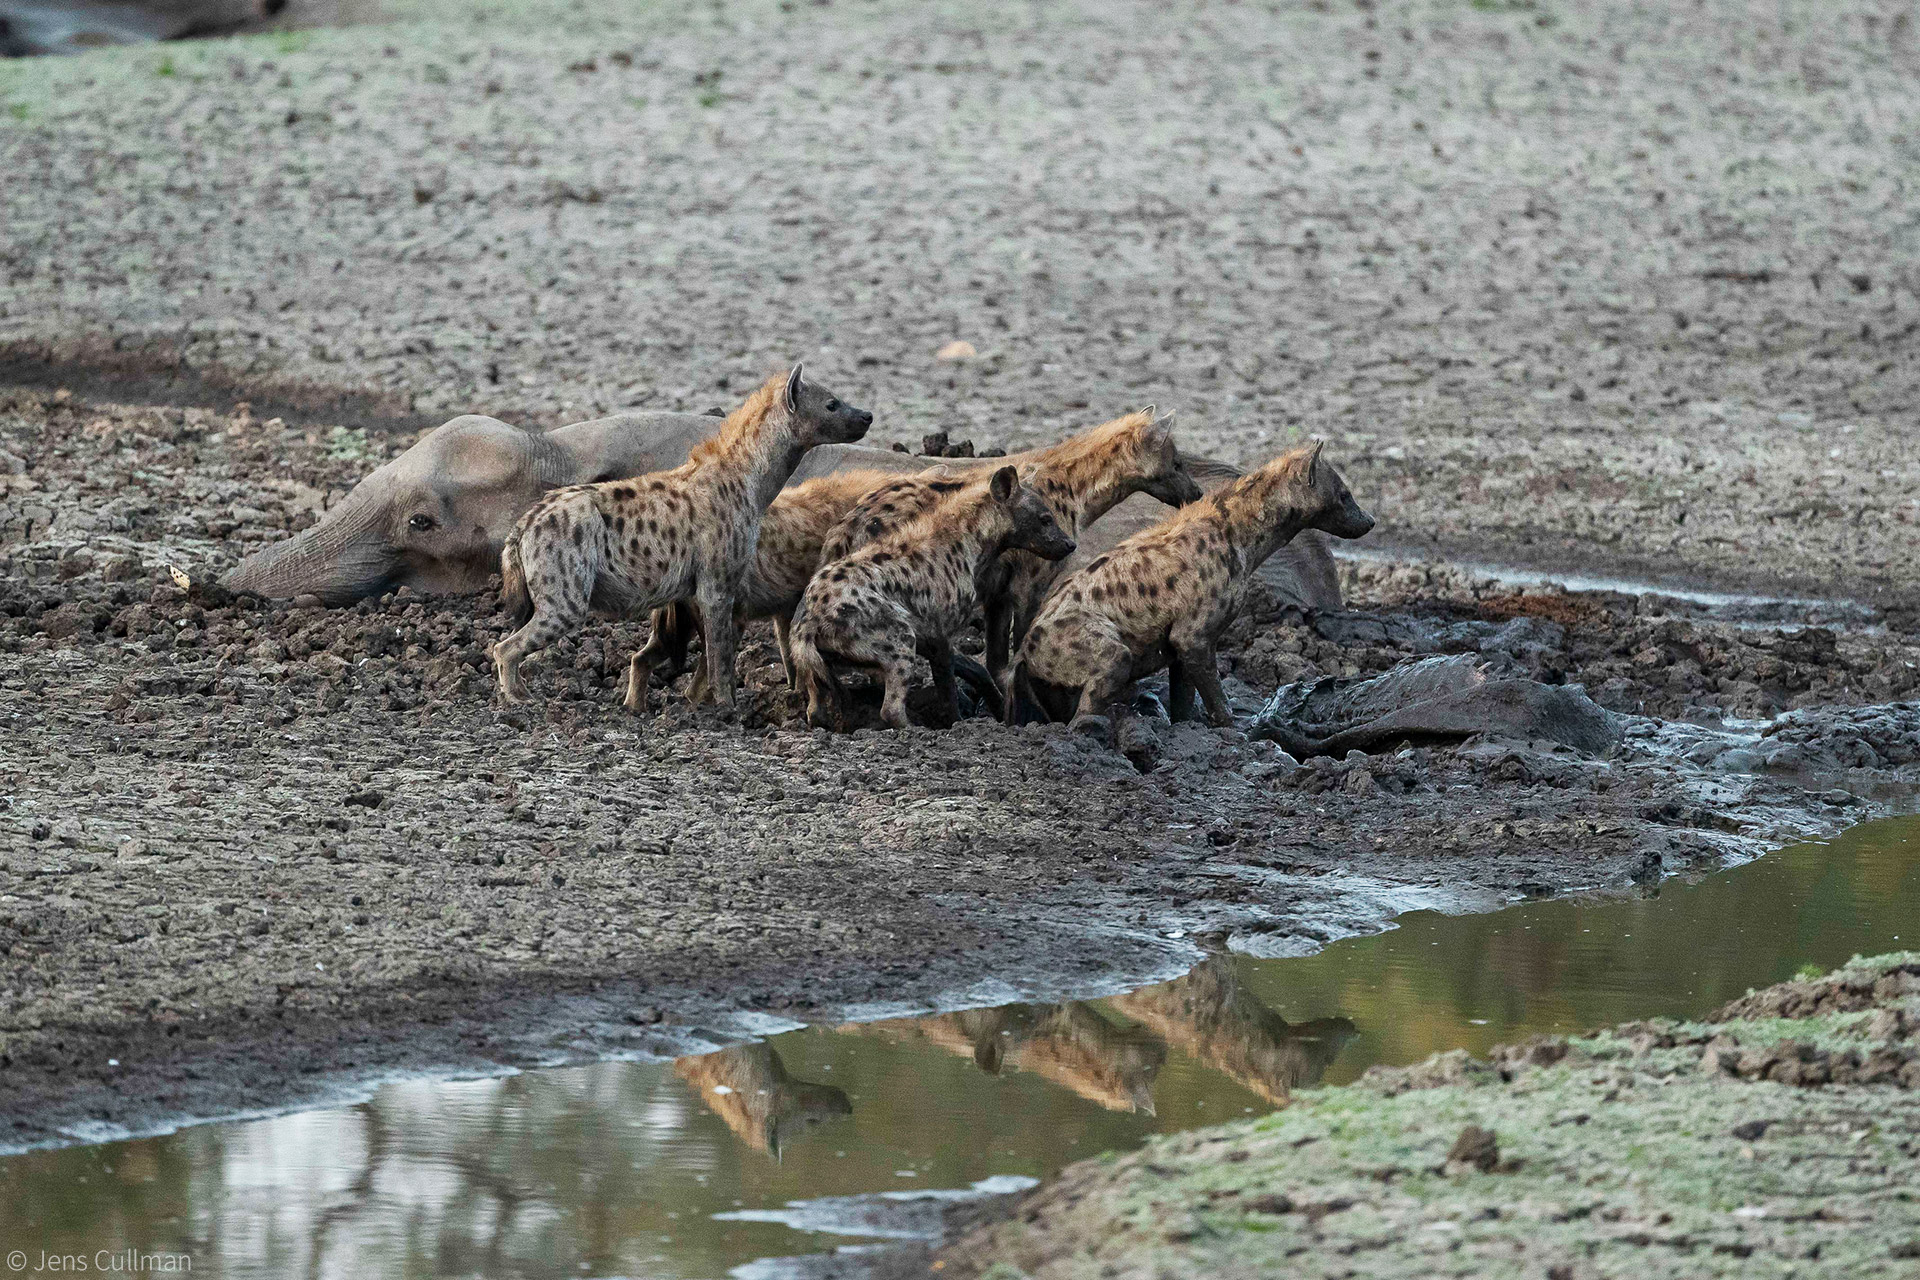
[[833, 406], [420, 524]]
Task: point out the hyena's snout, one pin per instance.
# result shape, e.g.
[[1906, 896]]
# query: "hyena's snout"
[[851, 424], [1351, 522]]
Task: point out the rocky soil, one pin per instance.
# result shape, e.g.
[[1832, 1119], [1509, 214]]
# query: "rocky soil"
[[251, 852], [1619, 287], [1777, 1137]]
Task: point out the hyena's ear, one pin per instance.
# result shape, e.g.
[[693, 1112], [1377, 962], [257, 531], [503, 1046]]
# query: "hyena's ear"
[[1006, 482], [1310, 469], [793, 389], [1160, 433]]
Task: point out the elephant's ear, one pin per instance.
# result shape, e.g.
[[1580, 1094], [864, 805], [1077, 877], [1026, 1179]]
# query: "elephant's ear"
[[793, 390], [482, 460]]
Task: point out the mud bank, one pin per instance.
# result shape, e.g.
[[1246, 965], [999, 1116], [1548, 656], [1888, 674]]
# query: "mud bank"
[[1775, 1137], [1610, 287], [257, 854]]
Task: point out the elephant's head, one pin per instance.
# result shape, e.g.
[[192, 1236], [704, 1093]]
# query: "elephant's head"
[[435, 517]]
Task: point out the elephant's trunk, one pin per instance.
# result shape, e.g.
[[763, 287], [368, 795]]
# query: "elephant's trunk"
[[346, 557]]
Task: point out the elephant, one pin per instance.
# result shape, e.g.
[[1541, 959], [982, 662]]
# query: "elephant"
[[434, 518]]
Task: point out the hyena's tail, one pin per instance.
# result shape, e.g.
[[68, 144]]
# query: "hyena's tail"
[[815, 676], [514, 596], [1022, 706]]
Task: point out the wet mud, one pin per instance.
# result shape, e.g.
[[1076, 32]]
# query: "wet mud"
[[255, 854]]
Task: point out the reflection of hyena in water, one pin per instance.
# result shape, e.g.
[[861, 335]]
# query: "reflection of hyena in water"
[[1069, 1044], [1208, 1016], [748, 1087], [917, 585], [1162, 597], [627, 545]]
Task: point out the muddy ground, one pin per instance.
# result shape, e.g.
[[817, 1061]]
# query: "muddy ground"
[[1609, 286], [1775, 1137], [251, 853], [1621, 288]]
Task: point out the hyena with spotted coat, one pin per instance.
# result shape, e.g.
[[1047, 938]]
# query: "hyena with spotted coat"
[[918, 584], [1080, 479], [688, 533], [1162, 597]]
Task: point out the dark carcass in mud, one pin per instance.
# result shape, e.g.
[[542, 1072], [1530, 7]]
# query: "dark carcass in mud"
[[32, 27], [1434, 700]]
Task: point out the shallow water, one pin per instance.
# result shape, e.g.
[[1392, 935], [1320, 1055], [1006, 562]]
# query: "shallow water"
[[620, 1168]]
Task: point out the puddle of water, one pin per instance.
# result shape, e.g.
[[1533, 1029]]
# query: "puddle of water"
[[1735, 605], [691, 1168]]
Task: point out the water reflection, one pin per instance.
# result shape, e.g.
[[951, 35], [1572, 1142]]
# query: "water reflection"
[[748, 1087], [618, 1168], [1211, 1017]]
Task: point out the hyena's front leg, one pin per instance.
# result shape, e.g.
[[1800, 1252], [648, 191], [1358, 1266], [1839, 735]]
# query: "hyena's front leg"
[[939, 653], [723, 640], [999, 615], [1180, 704]]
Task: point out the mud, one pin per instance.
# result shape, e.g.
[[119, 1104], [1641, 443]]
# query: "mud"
[[1625, 289], [256, 854], [1775, 1137]]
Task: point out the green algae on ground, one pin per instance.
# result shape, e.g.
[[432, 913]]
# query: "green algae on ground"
[[1618, 1155]]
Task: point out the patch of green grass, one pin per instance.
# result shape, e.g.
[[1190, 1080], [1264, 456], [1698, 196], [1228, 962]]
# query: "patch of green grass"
[[166, 65], [293, 41], [349, 444], [1808, 972], [19, 110]]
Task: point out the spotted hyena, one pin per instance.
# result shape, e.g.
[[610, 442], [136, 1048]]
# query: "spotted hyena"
[[1080, 479], [916, 584], [629, 545], [1162, 597]]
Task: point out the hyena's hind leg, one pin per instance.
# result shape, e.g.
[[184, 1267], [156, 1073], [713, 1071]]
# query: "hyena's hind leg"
[[825, 700], [559, 606], [891, 646], [1107, 668]]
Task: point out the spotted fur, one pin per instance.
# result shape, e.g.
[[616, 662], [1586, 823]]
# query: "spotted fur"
[[1162, 597], [917, 584], [1080, 479], [687, 533], [789, 551]]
